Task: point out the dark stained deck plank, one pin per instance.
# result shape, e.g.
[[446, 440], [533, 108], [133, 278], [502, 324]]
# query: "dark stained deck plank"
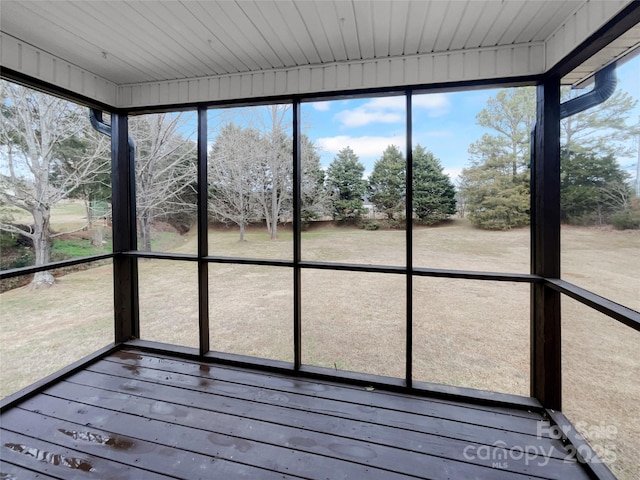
[[475, 429], [158, 458], [309, 421], [9, 471], [284, 459], [389, 444], [318, 402], [301, 393], [166, 417], [324, 389], [69, 464]]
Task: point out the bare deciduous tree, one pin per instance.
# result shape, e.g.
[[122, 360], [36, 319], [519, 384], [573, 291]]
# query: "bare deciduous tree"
[[166, 169], [251, 170], [232, 178], [33, 124], [276, 162]]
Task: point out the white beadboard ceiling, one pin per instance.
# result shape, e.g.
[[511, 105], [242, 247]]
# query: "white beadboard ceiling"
[[167, 40], [130, 43]]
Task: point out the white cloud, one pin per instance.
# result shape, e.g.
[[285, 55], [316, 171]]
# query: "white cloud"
[[361, 116], [391, 109], [391, 103], [436, 103], [433, 101], [376, 110], [453, 173], [365, 147], [321, 106]]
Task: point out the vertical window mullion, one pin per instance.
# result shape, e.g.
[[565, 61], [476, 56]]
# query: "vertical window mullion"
[[297, 204], [409, 241]]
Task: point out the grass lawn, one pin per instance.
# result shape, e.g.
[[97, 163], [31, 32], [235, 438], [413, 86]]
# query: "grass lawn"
[[466, 333]]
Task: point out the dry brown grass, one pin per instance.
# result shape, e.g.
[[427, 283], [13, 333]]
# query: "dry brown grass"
[[45, 330], [466, 333]]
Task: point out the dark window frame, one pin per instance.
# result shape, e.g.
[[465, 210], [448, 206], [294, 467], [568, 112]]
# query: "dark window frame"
[[547, 287]]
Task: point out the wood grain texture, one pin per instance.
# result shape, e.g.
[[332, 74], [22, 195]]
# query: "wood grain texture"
[[141, 415]]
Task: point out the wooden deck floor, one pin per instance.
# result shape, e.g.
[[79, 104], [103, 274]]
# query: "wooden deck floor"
[[135, 415]]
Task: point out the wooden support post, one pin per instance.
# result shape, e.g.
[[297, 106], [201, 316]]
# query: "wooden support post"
[[203, 232], [125, 269], [546, 374]]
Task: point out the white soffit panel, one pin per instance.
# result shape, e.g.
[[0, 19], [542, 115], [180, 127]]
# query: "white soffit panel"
[[621, 49], [578, 27]]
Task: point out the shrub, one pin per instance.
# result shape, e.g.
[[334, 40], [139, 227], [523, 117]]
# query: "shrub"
[[7, 240], [367, 225], [628, 219]]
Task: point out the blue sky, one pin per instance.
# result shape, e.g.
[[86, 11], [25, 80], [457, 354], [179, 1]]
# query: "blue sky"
[[444, 123]]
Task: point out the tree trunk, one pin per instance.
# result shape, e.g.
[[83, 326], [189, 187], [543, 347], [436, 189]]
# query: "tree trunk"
[[145, 233], [267, 216], [274, 213], [241, 232], [87, 208], [41, 245], [98, 237]]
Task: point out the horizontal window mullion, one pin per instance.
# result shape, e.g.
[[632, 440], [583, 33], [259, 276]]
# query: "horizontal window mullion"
[[17, 272], [614, 310], [477, 275], [161, 255]]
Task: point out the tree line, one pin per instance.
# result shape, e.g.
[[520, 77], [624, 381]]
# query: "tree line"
[[250, 179], [433, 192], [50, 152]]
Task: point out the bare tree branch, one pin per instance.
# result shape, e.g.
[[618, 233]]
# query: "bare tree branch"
[[33, 126]]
